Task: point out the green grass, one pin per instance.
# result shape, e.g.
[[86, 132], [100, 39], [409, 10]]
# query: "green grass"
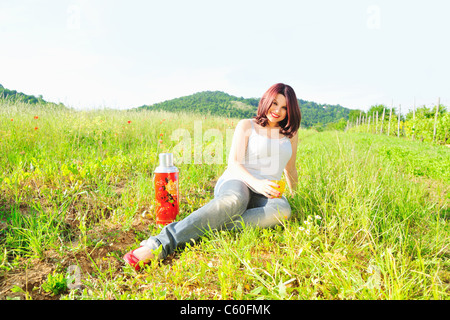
[[409, 156], [370, 216]]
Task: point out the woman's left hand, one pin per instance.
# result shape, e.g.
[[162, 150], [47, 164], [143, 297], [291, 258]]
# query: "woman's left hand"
[[266, 188]]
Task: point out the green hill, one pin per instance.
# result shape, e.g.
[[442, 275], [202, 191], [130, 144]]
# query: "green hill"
[[15, 96], [222, 104], [209, 102], [218, 103]]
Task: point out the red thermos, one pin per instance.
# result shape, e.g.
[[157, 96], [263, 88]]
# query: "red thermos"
[[166, 190]]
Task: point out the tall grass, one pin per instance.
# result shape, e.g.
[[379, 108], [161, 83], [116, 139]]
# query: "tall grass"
[[363, 226]]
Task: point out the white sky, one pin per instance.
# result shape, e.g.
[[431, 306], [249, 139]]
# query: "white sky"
[[123, 54]]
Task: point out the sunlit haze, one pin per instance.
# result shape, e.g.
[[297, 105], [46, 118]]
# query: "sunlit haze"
[[124, 54]]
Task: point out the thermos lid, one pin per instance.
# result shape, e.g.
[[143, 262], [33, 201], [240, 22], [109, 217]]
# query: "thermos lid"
[[166, 163], [166, 159]]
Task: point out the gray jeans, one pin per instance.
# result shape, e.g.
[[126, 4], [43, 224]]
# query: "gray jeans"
[[232, 207]]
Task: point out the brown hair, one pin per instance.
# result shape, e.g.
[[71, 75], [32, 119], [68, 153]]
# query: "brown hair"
[[290, 125]]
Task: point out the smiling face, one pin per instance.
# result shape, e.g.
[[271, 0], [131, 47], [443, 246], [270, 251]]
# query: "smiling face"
[[277, 111], [278, 108]]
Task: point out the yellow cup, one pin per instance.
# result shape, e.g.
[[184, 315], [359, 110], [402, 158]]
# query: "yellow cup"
[[282, 185]]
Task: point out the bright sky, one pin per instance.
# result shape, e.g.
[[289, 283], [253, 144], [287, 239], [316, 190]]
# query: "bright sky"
[[123, 54]]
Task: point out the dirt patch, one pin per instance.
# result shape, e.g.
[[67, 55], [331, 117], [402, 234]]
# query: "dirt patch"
[[106, 246]]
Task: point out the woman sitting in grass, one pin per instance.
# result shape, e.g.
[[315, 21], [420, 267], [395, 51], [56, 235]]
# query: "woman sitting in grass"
[[245, 194]]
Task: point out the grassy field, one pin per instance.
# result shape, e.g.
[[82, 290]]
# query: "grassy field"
[[370, 216]]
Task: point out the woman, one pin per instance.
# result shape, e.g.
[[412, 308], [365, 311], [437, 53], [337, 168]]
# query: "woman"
[[261, 150]]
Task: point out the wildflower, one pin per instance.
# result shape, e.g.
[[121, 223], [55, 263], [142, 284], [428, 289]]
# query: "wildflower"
[[160, 134], [301, 228], [12, 119], [35, 128], [36, 117], [129, 121], [160, 141], [318, 217]]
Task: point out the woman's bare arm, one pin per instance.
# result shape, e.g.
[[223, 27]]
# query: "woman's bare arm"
[[290, 171]]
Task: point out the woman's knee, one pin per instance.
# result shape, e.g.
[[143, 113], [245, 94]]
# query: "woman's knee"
[[235, 193], [282, 211], [232, 198]]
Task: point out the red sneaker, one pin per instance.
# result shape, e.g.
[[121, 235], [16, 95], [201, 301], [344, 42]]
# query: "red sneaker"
[[133, 261]]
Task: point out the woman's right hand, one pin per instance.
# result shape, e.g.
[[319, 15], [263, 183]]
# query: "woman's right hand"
[[266, 188]]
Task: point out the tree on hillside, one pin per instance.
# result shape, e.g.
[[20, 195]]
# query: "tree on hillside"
[[379, 108], [355, 114], [426, 113], [339, 125]]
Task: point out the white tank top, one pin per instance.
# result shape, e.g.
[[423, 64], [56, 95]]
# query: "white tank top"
[[265, 158]]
